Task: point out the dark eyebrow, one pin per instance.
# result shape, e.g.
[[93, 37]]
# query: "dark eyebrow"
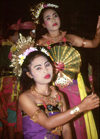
[[49, 15], [54, 13], [40, 64], [46, 62], [37, 65]]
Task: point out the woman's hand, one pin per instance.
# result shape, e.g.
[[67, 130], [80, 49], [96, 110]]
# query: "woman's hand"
[[89, 103], [98, 23], [97, 35]]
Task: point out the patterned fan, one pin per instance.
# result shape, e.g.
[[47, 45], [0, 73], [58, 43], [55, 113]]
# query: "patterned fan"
[[67, 61]]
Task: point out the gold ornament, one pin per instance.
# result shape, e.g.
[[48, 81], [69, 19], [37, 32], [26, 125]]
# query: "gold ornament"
[[35, 116], [17, 60]]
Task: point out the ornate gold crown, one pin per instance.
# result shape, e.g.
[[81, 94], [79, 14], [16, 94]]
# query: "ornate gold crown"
[[37, 10], [17, 56]]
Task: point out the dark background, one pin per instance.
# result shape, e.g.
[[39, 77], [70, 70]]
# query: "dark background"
[[77, 15]]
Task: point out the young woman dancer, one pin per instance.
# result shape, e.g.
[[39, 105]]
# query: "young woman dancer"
[[45, 113]]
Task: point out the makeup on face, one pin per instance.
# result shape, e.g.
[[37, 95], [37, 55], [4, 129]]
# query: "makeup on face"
[[47, 76], [55, 24], [41, 68], [50, 15], [51, 20]]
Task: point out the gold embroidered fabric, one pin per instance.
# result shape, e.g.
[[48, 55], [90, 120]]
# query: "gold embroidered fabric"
[[57, 130], [35, 115]]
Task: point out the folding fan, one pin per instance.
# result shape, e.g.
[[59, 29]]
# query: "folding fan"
[[67, 61]]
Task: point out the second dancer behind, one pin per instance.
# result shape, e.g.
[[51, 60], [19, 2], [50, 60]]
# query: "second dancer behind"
[[47, 33]]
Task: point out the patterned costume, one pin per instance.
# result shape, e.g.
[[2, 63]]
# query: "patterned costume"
[[34, 130], [9, 88], [75, 92]]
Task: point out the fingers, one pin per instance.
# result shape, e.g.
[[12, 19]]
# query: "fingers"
[[94, 107], [94, 98], [96, 101], [98, 23], [93, 95]]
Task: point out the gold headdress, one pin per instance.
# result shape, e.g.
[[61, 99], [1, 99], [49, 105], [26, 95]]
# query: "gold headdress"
[[17, 56], [24, 47], [37, 10]]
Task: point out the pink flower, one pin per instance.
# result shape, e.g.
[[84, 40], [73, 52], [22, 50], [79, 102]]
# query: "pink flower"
[[59, 66], [49, 47], [45, 5], [10, 55], [59, 98], [64, 39], [48, 43]]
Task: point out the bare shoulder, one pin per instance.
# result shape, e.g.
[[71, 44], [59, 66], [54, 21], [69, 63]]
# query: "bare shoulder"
[[26, 97], [27, 103], [41, 41]]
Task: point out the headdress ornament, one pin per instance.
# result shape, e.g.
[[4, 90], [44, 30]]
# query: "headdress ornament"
[[37, 10], [24, 47]]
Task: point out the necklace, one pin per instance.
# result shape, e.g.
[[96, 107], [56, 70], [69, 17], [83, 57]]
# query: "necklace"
[[55, 38], [59, 34], [47, 92], [47, 99]]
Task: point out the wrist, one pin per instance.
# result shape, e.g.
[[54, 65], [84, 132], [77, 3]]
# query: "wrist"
[[97, 37], [75, 110], [81, 107], [83, 43]]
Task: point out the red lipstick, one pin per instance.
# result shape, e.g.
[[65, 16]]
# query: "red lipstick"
[[47, 76], [55, 24]]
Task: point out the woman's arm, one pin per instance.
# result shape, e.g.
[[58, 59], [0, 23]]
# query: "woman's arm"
[[41, 42], [81, 42], [29, 107]]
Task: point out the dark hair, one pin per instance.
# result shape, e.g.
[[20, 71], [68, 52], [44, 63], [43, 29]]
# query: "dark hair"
[[25, 81], [40, 30], [9, 33], [25, 32]]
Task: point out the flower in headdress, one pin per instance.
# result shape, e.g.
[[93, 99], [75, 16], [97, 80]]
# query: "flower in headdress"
[[21, 59], [31, 49], [27, 52]]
